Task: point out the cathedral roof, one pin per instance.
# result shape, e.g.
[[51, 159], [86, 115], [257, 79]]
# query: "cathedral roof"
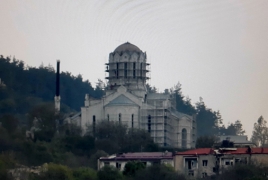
[[121, 100], [127, 47]]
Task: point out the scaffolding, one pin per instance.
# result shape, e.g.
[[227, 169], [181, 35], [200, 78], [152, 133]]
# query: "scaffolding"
[[159, 122]]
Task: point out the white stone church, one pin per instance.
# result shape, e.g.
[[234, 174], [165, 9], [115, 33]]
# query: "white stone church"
[[127, 101]]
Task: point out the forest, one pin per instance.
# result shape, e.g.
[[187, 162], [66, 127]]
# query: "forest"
[[27, 92]]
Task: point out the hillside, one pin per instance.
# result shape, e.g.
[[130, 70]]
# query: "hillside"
[[26, 86]]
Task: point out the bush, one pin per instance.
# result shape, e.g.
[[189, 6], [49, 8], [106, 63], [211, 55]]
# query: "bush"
[[132, 167], [56, 172], [85, 174], [158, 172], [109, 173], [244, 172]]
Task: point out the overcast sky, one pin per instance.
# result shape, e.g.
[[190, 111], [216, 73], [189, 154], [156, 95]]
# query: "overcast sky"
[[217, 50]]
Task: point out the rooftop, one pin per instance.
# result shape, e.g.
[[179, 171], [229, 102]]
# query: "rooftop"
[[127, 47], [140, 156]]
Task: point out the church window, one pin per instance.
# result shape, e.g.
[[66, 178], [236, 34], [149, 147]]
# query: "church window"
[[132, 120], [184, 138], [125, 73], [134, 70], [149, 123], [119, 117], [94, 124], [141, 70], [117, 70]]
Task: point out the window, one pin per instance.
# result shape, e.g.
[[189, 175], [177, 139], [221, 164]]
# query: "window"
[[134, 70], [117, 70], [205, 162], [228, 162], [184, 138], [108, 117], [106, 163], [94, 124], [125, 73], [118, 165], [204, 174], [191, 173], [132, 120], [141, 70], [191, 163], [119, 117], [149, 123]]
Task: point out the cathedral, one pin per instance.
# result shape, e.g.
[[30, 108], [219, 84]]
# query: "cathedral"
[[127, 101]]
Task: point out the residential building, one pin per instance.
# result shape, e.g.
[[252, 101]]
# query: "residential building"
[[206, 161], [237, 141], [148, 158]]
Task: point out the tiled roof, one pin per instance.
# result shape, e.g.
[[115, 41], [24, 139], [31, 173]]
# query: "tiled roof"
[[201, 151], [245, 151], [206, 151], [140, 156]]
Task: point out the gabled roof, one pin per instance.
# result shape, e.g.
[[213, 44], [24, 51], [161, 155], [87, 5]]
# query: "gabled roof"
[[200, 151], [140, 156], [121, 100]]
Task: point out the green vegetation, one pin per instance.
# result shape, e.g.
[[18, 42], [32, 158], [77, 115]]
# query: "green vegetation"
[[26, 102], [243, 172]]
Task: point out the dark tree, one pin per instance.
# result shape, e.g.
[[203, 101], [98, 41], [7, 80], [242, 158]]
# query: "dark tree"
[[132, 167], [205, 141], [208, 121], [109, 173], [9, 122]]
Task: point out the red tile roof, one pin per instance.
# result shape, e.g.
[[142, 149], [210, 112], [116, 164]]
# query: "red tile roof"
[[200, 151], [258, 150], [206, 151]]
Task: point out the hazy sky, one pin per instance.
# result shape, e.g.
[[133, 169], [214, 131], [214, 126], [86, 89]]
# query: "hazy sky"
[[217, 50]]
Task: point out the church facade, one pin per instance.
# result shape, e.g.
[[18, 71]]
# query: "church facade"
[[127, 101]]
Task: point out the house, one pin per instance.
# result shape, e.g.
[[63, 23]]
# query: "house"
[[207, 161], [196, 162], [237, 141], [148, 158]]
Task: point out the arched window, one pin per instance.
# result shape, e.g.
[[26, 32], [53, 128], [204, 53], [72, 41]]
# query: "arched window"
[[184, 138], [149, 123], [132, 120], [134, 70], [94, 124], [117, 70], [141, 70], [125, 70], [119, 117]]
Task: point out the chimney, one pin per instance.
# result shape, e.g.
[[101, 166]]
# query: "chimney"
[[57, 96]]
